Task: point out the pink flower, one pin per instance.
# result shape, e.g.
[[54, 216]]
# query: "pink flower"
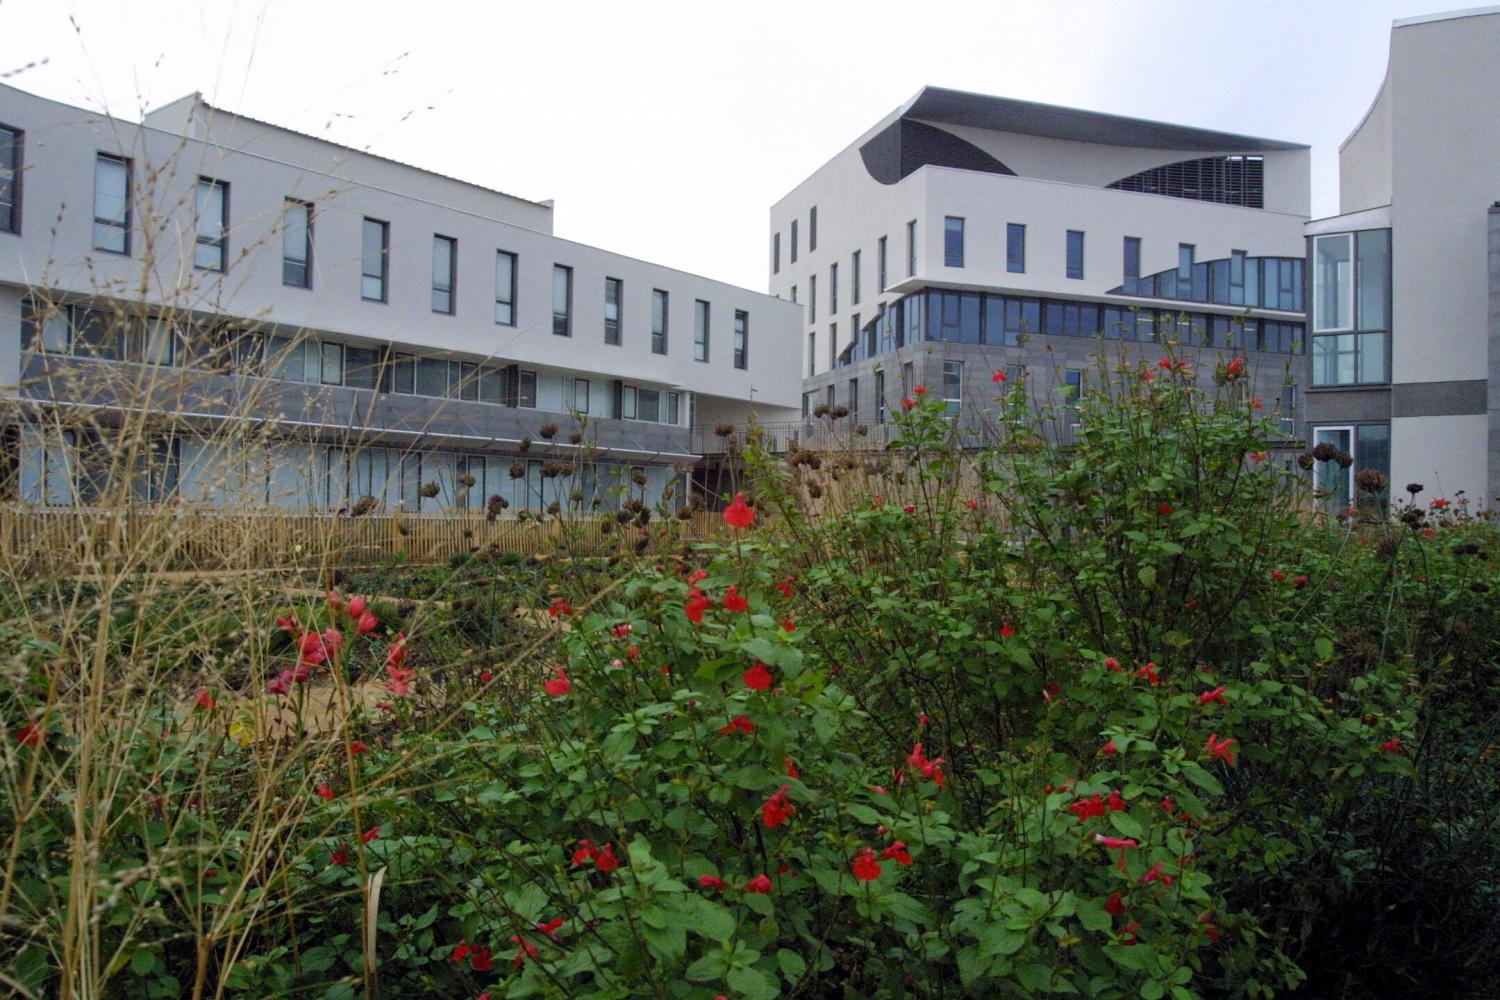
[[758, 678], [760, 885], [1112, 664], [356, 607], [1156, 874], [282, 684], [399, 679], [396, 653], [621, 630], [368, 623], [739, 514], [1109, 749], [559, 685]]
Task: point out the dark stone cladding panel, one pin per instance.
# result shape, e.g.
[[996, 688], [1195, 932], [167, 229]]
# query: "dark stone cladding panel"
[[1349, 406], [1045, 358], [1439, 399], [905, 146], [331, 413]]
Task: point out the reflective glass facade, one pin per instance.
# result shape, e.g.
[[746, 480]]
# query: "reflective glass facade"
[[1238, 280]]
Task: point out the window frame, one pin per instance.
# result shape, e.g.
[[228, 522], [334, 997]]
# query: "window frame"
[[288, 203], [384, 277], [812, 229], [219, 243], [1348, 296], [17, 146], [123, 226], [509, 301], [882, 261], [1074, 273], [1015, 236], [562, 322], [617, 285], [833, 289], [702, 319], [741, 344], [660, 337], [952, 257], [854, 278], [911, 248], [451, 289]]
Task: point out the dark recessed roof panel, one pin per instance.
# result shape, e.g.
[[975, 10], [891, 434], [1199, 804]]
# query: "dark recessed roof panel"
[[903, 147], [1004, 114]]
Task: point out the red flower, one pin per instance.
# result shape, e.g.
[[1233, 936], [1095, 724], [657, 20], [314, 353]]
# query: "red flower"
[[1116, 906], [1392, 745], [972, 504], [1116, 801], [897, 852], [738, 724], [485, 676], [739, 514], [368, 623], [788, 624], [698, 575], [584, 853], [356, 748], [289, 625], [479, 961], [1156, 874], [29, 735], [1086, 809], [1300, 581], [559, 685], [864, 865], [559, 607], [1006, 631], [712, 882], [758, 678], [1217, 694], [735, 601], [621, 630], [1112, 663], [1149, 673], [1109, 749], [1278, 575], [1116, 843], [791, 769], [396, 653], [920, 390], [1221, 749], [999, 375], [311, 648], [1440, 504], [760, 884], [339, 857], [696, 605], [908, 404], [324, 792], [373, 833], [777, 810], [1164, 363], [524, 949], [929, 768], [550, 928], [282, 684], [399, 679], [460, 951], [605, 860], [910, 508], [356, 607], [204, 700], [1257, 456], [785, 586], [1127, 934]]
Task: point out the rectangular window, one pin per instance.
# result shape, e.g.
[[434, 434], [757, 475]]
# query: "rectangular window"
[[1072, 386], [833, 289], [775, 253], [211, 245], [1373, 278], [672, 414], [833, 346], [296, 243], [1075, 253], [812, 353], [333, 364], [1236, 277], [46, 327], [741, 339], [505, 288], [526, 389], [112, 204], [627, 403], [580, 401], [562, 301], [953, 241], [1132, 262], [812, 229], [10, 180], [911, 248], [854, 399], [1333, 283], [832, 396], [614, 295], [648, 405], [1185, 253], [700, 330], [953, 386], [854, 278], [374, 257], [794, 241], [432, 377], [880, 263], [880, 397], [1369, 445], [444, 273], [1015, 248], [812, 298], [659, 321], [403, 374], [361, 367]]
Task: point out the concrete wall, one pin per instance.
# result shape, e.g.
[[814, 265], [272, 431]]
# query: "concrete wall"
[[1365, 158]]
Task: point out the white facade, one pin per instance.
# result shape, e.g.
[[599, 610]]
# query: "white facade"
[[417, 309], [1423, 170]]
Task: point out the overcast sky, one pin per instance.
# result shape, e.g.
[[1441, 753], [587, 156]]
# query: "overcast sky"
[[666, 130]]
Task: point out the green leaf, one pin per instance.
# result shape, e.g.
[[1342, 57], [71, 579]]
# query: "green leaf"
[[142, 961], [709, 919], [1128, 825], [752, 983], [792, 965], [319, 959], [708, 968], [1147, 576], [997, 939]]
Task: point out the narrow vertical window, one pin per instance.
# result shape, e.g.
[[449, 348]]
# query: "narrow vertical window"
[[562, 301], [296, 243], [812, 354], [614, 294], [741, 339], [658, 321], [833, 348], [812, 298], [880, 397], [881, 282], [444, 273], [1132, 262], [1015, 248], [505, 288], [953, 385], [1185, 252], [833, 289], [374, 257], [812, 229], [112, 204], [1333, 283], [1075, 253], [700, 330], [775, 253], [211, 243], [853, 399], [854, 278], [794, 241], [911, 248], [953, 241], [10, 180]]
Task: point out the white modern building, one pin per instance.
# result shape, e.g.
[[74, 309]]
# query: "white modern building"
[[1405, 310], [394, 328], [965, 233]]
